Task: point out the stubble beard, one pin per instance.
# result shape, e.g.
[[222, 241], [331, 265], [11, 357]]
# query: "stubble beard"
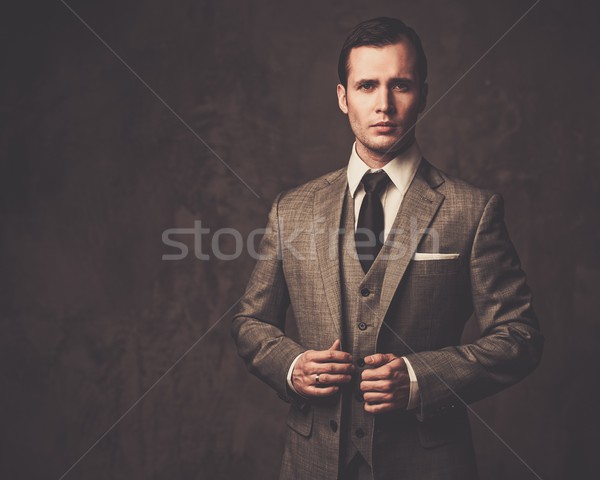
[[392, 146]]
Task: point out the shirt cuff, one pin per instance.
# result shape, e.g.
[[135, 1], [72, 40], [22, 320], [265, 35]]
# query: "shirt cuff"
[[289, 375], [413, 395]]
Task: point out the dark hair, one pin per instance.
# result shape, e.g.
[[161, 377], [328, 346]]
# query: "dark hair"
[[379, 32]]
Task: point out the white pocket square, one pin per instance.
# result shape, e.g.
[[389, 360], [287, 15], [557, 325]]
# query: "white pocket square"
[[435, 256]]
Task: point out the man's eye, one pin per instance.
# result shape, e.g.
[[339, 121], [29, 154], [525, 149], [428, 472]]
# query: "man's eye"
[[365, 86], [402, 87]]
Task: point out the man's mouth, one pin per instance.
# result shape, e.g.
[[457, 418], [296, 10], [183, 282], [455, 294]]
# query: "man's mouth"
[[384, 128]]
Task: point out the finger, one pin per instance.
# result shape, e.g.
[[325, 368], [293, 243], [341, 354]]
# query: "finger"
[[377, 386], [320, 391], [380, 373], [378, 359], [326, 356], [380, 407], [378, 397], [336, 345], [328, 379], [371, 374], [332, 368]]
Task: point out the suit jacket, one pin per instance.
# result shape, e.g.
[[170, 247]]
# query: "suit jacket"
[[431, 301]]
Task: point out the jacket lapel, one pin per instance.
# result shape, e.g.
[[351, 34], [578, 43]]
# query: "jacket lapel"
[[327, 215], [419, 206]]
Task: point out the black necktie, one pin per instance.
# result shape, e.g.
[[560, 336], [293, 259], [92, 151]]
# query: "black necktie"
[[369, 231]]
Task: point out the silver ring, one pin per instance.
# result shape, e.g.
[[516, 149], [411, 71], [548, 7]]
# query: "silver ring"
[[317, 378]]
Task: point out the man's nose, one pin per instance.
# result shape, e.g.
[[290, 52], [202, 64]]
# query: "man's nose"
[[385, 101]]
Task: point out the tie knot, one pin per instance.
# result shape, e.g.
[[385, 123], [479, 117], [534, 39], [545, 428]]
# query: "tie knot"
[[375, 182]]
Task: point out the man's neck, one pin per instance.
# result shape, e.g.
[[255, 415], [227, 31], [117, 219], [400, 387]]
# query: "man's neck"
[[375, 160]]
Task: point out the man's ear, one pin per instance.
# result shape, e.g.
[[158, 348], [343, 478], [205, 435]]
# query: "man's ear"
[[423, 97], [342, 101]]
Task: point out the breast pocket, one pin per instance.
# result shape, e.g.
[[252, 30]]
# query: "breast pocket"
[[435, 267], [433, 293]]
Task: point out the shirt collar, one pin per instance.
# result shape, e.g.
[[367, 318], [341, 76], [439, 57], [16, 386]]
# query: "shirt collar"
[[401, 169]]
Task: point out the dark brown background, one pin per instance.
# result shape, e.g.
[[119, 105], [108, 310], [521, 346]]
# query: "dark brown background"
[[94, 168]]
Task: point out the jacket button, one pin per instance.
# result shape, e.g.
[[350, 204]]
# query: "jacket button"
[[359, 397], [360, 433], [360, 362], [362, 326], [334, 426], [365, 292]]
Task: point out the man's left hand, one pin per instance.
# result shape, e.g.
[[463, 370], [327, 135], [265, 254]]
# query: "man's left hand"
[[386, 385]]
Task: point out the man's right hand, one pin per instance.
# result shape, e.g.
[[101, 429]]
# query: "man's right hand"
[[332, 366]]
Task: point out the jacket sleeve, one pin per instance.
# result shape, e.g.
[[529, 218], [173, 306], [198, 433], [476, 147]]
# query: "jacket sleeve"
[[259, 326], [510, 346]]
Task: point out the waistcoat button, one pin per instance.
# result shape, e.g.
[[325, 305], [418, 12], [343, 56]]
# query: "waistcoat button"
[[360, 362], [360, 433], [362, 326], [365, 292], [334, 426]]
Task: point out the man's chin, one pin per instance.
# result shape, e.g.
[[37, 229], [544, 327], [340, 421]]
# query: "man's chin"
[[383, 146]]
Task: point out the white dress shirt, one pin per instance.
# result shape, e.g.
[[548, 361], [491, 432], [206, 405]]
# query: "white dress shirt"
[[401, 170]]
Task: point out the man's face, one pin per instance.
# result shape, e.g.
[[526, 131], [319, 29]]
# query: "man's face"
[[383, 98]]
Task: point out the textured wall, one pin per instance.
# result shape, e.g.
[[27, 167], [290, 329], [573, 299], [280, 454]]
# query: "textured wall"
[[94, 168]]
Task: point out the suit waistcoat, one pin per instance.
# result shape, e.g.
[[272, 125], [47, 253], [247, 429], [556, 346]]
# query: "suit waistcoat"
[[360, 302]]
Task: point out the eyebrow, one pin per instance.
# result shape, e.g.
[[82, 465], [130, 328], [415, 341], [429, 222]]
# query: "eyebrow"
[[392, 80]]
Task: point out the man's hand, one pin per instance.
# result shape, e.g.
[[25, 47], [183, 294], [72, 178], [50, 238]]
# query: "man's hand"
[[386, 386], [332, 366]]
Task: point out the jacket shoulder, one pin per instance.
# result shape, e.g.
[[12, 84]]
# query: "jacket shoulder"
[[302, 194], [461, 192]]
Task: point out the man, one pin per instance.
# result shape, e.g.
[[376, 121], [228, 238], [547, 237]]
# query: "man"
[[378, 381]]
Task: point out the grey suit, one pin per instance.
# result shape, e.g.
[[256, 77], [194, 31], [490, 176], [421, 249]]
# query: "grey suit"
[[415, 309]]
